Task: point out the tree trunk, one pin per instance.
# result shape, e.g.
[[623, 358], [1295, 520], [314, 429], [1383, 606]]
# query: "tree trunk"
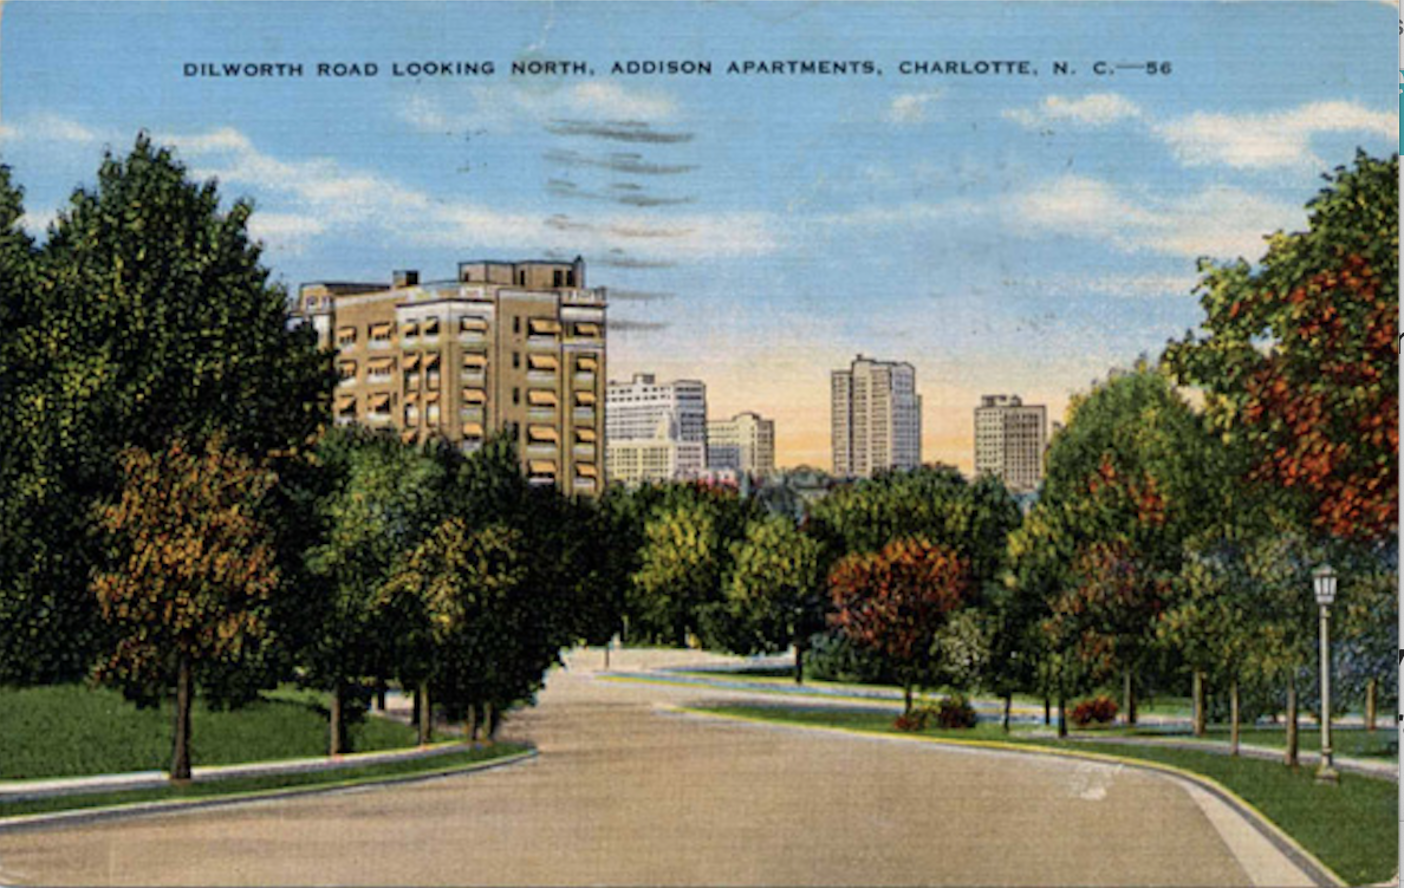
[[1371, 703], [491, 717], [1128, 696], [424, 716], [1062, 716], [414, 707], [180, 751], [1047, 711], [380, 691], [1233, 717], [336, 735], [1200, 717], [1290, 754], [799, 663], [907, 699], [475, 718], [1008, 704]]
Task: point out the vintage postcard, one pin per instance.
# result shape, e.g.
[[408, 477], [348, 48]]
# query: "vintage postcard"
[[756, 443]]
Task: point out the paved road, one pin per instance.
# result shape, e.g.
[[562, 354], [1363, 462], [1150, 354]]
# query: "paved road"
[[624, 793]]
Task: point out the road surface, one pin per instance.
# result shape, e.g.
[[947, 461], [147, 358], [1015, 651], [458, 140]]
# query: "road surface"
[[626, 793]]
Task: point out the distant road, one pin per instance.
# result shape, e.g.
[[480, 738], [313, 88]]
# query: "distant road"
[[624, 793]]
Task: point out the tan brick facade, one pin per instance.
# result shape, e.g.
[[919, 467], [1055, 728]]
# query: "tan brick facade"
[[508, 345]]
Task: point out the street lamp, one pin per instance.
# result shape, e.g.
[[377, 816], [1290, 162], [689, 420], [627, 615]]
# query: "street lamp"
[[1323, 579]]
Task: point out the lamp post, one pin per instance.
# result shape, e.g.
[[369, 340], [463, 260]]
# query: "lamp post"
[[1324, 581]]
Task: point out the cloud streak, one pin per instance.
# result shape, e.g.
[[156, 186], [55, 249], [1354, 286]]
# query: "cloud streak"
[[620, 163], [616, 131]]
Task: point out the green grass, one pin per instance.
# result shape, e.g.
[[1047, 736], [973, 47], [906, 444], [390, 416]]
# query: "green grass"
[[1351, 827], [1353, 742], [443, 763], [74, 730]]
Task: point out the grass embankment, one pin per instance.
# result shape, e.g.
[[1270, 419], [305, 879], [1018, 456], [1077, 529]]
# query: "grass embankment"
[[253, 787], [73, 730], [1351, 827]]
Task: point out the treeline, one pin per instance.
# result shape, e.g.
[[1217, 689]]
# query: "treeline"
[[180, 515]]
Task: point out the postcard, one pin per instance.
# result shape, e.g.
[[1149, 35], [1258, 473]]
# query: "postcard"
[[762, 443]]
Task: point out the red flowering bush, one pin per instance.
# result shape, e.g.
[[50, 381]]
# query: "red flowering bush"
[[1100, 710]]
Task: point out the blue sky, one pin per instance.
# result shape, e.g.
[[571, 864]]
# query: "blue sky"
[[1003, 233]]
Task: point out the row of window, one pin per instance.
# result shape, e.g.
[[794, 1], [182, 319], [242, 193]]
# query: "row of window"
[[383, 331], [380, 369]]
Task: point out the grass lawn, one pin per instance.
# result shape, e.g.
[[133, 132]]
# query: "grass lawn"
[[1353, 742], [428, 766], [72, 730], [1351, 828]]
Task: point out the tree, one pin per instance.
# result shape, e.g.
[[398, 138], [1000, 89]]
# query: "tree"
[[1132, 474], [895, 602], [1298, 356], [777, 586], [192, 572], [680, 570], [151, 318], [382, 499]]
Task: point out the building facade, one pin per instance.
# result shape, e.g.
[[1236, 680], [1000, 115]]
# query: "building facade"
[[876, 418], [514, 346], [745, 443], [1011, 438], [655, 431]]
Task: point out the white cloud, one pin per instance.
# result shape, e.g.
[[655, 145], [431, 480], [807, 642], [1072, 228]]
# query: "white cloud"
[[911, 107], [38, 221], [500, 106], [320, 197], [1252, 141], [1098, 109], [1220, 221], [1115, 286], [51, 128]]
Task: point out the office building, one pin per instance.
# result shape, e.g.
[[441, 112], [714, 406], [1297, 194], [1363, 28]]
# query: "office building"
[[744, 444], [1010, 440], [655, 431], [515, 346], [876, 418]]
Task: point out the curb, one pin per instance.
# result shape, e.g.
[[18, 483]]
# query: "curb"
[[81, 816], [1301, 857]]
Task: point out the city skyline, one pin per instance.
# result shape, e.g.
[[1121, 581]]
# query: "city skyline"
[[999, 230]]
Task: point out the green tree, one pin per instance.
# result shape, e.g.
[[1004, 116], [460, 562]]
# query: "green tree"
[[778, 586], [1132, 474], [383, 498], [680, 570], [1298, 359], [896, 601], [192, 571], [151, 318]]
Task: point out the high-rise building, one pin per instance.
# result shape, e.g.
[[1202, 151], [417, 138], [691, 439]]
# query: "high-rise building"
[[876, 418], [1010, 440], [516, 346], [655, 431], [745, 444]]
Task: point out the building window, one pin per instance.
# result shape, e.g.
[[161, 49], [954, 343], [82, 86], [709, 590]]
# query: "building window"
[[542, 363], [380, 369], [431, 326], [381, 332], [409, 329], [431, 370], [542, 398], [516, 396], [516, 325], [345, 336], [543, 327], [589, 329], [346, 371], [474, 362], [558, 278], [516, 360], [472, 325]]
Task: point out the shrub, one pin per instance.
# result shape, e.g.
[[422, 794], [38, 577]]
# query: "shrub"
[[914, 721], [956, 713], [1100, 710]]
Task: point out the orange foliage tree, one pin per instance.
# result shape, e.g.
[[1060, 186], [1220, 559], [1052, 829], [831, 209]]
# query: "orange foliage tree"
[[191, 572], [896, 600]]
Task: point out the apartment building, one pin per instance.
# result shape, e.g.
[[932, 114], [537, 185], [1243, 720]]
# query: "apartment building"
[[745, 444], [655, 431], [1010, 441], [876, 418], [516, 346]]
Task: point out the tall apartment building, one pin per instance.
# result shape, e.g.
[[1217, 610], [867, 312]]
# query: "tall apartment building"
[[876, 418], [1010, 440], [655, 431], [744, 444], [516, 346]]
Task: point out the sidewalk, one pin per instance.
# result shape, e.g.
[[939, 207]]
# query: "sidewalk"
[[26, 790], [1381, 768]]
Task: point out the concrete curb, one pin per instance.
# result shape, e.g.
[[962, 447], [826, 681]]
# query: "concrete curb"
[[79, 816], [1317, 871]]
